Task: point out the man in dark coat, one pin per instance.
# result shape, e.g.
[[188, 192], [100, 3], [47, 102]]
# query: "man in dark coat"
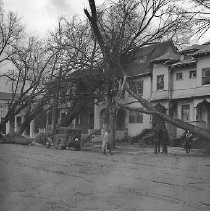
[[157, 139], [165, 140]]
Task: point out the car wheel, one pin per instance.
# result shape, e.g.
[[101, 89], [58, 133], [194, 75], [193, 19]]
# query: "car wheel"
[[59, 145], [78, 148], [47, 144]]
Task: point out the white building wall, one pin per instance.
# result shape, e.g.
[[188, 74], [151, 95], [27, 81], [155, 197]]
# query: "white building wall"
[[135, 128], [132, 128], [202, 63], [179, 110], [187, 91], [160, 69], [186, 82]]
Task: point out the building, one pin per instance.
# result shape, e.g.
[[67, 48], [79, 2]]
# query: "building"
[[179, 82], [43, 121], [139, 68]]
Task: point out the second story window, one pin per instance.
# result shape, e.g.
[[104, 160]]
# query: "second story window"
[[193, 74], [139, 87], [185, 113], [160, 82], [179, 76], [205, 76]]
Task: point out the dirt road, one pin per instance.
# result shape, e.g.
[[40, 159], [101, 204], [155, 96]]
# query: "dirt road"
[[33, 178]]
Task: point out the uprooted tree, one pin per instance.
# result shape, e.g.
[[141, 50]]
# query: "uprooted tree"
[[118, 29]]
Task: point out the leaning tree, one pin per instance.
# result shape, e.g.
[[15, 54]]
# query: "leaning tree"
[[121, 26]]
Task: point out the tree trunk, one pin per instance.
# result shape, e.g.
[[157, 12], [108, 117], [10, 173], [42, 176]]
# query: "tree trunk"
[[32, 113], [10, 114], [55, 110], [73, 111], [112, 125]]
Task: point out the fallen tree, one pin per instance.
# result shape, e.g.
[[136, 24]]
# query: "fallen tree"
[[148, 108]]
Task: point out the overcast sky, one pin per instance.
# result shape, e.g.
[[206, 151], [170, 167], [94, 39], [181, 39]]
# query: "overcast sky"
[[39, 16]]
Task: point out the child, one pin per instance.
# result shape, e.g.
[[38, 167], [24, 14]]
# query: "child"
[[188, 141]]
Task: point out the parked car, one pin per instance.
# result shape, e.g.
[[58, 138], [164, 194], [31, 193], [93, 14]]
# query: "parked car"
[[65, 137]]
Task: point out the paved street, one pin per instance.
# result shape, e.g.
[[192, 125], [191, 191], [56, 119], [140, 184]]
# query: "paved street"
[[34, 178]]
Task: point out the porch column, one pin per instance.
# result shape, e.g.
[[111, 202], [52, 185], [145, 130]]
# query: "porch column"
[[96, 117], [16, 125], [74, 123], [32, 129], [194, 113], [8, 127], [22, 120]]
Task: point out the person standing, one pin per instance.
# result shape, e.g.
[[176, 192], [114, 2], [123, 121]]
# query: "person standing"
[[106, 143], [160, 139], [157, 139], [165, 140], [188, 142]]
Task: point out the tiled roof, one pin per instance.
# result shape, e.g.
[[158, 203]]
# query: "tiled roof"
[[139, 60], [190, 49], [5, 96], [170, 55], [82, 73], [204, 50], [188, 62]]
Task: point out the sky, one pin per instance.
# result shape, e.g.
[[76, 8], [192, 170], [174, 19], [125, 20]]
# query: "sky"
[[40, 16]]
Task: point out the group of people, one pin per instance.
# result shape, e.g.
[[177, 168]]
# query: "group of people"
[[161, 138]]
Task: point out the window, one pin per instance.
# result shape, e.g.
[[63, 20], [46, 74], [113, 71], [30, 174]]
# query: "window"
[[193, 74], [135, 117], [199, 114], [160, 82], [187, 57], [179, 76], [185, 113], [137, 87], [205, 76]]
